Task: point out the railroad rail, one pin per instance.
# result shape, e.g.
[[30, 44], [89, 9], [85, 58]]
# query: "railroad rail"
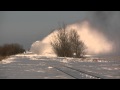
[[78, 73]]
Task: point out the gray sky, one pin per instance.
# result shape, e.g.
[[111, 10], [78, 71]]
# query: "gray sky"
[[26, 27]]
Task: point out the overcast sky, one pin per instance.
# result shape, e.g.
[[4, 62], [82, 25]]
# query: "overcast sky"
[[26, 27]]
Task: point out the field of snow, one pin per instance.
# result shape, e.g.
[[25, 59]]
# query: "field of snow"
[[32, 66]]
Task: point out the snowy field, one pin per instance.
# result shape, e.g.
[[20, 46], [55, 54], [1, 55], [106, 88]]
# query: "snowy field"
[[32, 66]]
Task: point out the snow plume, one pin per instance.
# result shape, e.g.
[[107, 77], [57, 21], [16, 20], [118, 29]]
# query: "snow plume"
[[42, 48], [108, 23], [95, 40]]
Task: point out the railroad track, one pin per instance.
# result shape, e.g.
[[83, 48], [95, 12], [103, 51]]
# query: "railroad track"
[[78, 73]]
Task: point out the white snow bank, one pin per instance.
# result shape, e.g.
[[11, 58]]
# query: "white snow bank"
[[33, 56], [8, 60]]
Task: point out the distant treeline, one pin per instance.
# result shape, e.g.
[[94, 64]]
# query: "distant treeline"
[[11, 49]]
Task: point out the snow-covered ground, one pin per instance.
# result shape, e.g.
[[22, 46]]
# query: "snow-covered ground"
[[32, 66]]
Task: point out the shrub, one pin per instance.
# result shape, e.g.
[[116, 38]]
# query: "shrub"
[[65, 44], [11, 49]]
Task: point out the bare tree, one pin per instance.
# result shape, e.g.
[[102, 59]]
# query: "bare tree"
[[65, 44]]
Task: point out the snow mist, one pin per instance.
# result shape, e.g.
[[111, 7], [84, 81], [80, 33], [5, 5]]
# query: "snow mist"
[[96, 42]]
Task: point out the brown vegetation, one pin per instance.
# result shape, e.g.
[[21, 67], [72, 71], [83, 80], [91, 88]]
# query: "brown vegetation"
[[10, 49]]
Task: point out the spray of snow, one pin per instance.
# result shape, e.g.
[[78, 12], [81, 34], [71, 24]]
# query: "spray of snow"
[[95, 40]]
